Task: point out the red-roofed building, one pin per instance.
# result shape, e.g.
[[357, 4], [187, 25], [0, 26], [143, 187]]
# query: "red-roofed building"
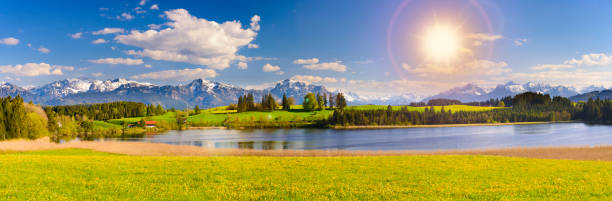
[[150, 124]]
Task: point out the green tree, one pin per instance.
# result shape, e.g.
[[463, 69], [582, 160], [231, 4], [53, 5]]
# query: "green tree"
[[310, 102], [196, 110]]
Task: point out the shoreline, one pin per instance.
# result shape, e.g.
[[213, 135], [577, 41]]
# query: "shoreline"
[[446, 125], [603, 152]]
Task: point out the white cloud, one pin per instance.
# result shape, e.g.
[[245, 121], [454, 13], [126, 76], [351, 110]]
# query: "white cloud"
[[125, 16], [335, 66], [43, 50], [484, 37], [551, 66], [179, 75], [251, 45], [192, 40], [154, 7], [255, 22], [270, 68], [242, 65], [99, 41], [148, 66], [306, 61], [520, 41], [108, 31], [142, 2], [280, 72], [139, 10], [593, 59], [76, 35], [469, 69], [154, 26], [97, 74], [9, 41], [313, 79], [35, 69], [126, 61]]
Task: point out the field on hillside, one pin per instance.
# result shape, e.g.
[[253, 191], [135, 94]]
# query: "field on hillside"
[[85, 175], [453, 108]]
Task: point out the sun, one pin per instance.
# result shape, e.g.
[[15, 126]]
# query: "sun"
[[441, 43]]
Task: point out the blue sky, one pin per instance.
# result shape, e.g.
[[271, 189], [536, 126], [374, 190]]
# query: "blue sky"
[[354, 45]]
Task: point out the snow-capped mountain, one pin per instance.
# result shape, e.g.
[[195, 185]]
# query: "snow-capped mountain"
[[471, 92], [404, 99], [467, 93], [592, 88], [66, 87], [203, 93]]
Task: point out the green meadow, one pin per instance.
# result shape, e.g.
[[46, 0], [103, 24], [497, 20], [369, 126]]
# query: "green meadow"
[[296, 117], [75, 174]]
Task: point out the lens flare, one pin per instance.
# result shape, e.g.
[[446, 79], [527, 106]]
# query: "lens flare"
[[441, 43]]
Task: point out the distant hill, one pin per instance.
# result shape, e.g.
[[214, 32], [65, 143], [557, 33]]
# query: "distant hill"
[[472, 92], [604, 94]]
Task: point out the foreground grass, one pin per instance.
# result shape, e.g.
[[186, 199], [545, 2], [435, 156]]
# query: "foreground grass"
[[79, 175]]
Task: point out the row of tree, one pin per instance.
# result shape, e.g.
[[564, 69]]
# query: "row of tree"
[[106, 111], [311, 102], [527, 106], [320, 102]]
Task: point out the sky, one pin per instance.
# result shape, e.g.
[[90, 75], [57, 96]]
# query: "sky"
[[373, 48]]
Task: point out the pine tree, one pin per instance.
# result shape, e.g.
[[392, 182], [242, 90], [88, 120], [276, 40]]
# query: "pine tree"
[[285, 103], [196, 109]]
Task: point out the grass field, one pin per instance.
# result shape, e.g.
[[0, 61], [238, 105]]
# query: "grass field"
[[85, 175], [453, 108], [217, 116]]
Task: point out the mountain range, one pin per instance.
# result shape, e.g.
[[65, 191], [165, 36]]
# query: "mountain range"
[[472, 92], [205, 93]]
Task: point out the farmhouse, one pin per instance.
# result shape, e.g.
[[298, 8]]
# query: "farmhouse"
[[150, 124]]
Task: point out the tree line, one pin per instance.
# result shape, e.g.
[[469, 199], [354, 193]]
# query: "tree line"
[[526, 107], [311, 102], [106, 111]]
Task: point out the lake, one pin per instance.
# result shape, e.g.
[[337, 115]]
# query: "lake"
[[555, 134]]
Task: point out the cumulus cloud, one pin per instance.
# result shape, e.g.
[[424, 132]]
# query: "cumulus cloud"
[[154, 7], [76, 35], [180, 75], [43, 50], [108, 31], [192, 40], [35, 69], [126, 61], [255, 22], [148, 66], [125, 16], [335, 66], [154, 26], [251, 45], [99, 41], [242, 65], [313, 79], [9, 41], [593, 59], [270, 68], [142, 2], [139, 10], [306, 61]]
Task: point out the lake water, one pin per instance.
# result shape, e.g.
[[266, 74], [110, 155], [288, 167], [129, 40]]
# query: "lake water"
[[557, 134]]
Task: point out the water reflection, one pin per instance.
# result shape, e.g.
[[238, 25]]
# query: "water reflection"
[[558, 134]]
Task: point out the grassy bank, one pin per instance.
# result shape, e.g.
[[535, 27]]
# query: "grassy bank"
[[86, 175]]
